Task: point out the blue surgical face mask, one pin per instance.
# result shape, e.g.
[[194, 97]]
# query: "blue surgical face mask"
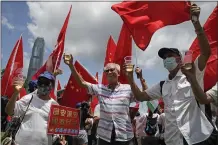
[[170, 63], [44, 90]]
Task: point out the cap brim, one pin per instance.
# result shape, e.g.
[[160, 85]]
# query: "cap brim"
[[163, 51]]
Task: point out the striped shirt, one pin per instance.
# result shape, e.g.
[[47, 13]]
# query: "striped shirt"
[[114, 110]]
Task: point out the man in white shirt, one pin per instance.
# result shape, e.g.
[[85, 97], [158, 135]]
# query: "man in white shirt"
[[185, 122], [33, 129]]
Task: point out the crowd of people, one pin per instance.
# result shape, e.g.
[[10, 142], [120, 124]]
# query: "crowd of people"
[[182, 121]]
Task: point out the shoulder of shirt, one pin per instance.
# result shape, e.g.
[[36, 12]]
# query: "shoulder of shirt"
[[27, 97]]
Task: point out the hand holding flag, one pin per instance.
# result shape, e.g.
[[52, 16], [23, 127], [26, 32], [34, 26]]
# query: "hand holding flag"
[[194, 12]]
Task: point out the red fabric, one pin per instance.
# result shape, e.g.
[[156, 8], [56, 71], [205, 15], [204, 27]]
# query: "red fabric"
[[73, 93], [13, 69], [59, 86], [135, 108], [109, 58], [22, 93], [64, 27], [210, 28], [144, 18], [161, 103], [124, 48], [55, 58]]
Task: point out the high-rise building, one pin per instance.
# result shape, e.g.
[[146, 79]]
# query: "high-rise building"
[[36, 60]]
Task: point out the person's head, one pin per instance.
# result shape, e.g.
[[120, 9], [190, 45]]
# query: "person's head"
[[45, 84], [112, 71], [32, 86], [172, 58]]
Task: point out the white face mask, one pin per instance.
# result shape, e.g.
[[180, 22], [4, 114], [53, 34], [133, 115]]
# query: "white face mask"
[[170, 63]]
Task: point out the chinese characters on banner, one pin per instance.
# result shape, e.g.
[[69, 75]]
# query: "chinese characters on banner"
[[63, 120]]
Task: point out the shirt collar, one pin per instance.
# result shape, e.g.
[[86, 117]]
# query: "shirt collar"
[[179, 74], [116, 88]]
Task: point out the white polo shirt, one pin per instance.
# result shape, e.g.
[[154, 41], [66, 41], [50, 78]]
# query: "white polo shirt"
[[183, 117]]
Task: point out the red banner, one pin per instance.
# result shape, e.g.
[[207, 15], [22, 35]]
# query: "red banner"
[[63, 120]]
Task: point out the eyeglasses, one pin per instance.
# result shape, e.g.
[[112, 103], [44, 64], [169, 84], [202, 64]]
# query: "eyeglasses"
[[110, 70]]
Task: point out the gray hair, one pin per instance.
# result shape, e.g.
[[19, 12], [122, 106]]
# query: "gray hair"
[[112, 65]]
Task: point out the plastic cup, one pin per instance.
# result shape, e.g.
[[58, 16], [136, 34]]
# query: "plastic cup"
[[128, 60], [187, 59]]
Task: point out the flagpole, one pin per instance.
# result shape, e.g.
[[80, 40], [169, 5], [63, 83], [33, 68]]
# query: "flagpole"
[[13, 63], [55, 88]]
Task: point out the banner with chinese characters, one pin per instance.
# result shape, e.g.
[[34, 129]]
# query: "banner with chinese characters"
[[63, 120]]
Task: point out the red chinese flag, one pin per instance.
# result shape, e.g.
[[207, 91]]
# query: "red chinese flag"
[[124, 48], [59, 86], [64, 27], [73, 93], [210, 28], [109, 58], [144, 18], [13, 70], [54, 59], [22, 93]]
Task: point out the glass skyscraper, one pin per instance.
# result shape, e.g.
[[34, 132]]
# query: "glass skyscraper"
[[36, 60]]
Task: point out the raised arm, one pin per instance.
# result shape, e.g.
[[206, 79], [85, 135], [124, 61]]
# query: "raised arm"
[[11, 103], [68, 60], [140, 77], [139, 95], [199, 94], [202, 38]]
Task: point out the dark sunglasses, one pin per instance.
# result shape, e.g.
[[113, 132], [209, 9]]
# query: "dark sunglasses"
[[44, 81], [108, 70]]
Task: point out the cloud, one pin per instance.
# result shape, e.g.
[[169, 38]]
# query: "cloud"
[[91, 24], [6, 23]]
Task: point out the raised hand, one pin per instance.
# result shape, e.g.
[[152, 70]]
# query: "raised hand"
[[68, 59], [58, 72], [189, 73], [138, 72], [128, 69], [195, 13], [18, 85]]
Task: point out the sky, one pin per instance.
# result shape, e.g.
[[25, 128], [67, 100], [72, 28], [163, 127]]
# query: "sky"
[[90, 25]]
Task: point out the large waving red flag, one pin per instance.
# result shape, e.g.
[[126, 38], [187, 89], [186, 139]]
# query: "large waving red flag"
[[13, 70], [144, 18], [54, 59], [73, 93], [124, 48], [210, 28], [109, 58]]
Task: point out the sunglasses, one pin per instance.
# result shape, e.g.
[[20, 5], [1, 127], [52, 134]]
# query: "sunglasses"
[[44, 81], [110, 70]]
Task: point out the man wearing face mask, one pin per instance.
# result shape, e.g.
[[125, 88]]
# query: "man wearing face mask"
[[33, 129], [185, 121]]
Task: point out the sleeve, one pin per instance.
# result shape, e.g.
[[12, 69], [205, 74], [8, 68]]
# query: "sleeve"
[[199, 74], [132, 98], [93, 89], [154, 92], [21, 105], [213, 94]]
